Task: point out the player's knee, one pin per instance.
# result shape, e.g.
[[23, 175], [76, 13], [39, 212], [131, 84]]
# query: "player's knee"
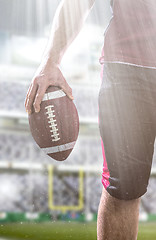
[[127, 183], [127, 190]]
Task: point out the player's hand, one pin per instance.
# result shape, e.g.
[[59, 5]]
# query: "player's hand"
[[48, 74]]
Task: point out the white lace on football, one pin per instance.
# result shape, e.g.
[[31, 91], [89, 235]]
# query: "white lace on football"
[[52, 123]]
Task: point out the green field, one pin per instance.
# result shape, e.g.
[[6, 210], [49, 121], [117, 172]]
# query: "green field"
[[64, 231]]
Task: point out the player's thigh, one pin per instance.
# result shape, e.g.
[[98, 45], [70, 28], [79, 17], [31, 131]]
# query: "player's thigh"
[[128, 135]]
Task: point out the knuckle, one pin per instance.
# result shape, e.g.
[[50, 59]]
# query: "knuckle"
[[35, 104], [38, 98], [52, 82], [40, 92], [35, 80], [29, 98], [29, 104], [37, 101]]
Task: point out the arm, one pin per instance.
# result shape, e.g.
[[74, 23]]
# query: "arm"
[[68, 21]]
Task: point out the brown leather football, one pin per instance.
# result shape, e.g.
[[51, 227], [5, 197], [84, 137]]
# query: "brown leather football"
[[55, 128]]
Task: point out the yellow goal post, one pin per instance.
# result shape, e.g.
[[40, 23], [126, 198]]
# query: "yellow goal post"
[[65, 208]]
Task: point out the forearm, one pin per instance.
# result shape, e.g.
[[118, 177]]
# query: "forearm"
[[68, 21]]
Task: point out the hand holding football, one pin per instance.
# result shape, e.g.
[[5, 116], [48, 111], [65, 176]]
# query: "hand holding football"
[[55, 128]]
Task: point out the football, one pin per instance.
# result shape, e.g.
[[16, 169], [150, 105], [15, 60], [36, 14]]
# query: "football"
[[55, 128]]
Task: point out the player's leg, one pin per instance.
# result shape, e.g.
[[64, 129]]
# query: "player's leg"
[[117, 219], [128, 133]]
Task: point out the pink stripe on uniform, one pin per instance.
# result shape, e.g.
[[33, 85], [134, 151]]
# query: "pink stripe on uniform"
[[105, 174]]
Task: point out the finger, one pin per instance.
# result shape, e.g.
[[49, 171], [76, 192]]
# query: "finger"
[[39, 96], [26, 99], [31, 97], [67, 89]]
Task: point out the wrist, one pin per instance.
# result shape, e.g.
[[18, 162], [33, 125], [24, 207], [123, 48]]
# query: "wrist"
[[52, 57]]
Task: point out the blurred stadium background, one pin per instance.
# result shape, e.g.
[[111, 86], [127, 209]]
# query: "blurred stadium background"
[[33, 187]]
